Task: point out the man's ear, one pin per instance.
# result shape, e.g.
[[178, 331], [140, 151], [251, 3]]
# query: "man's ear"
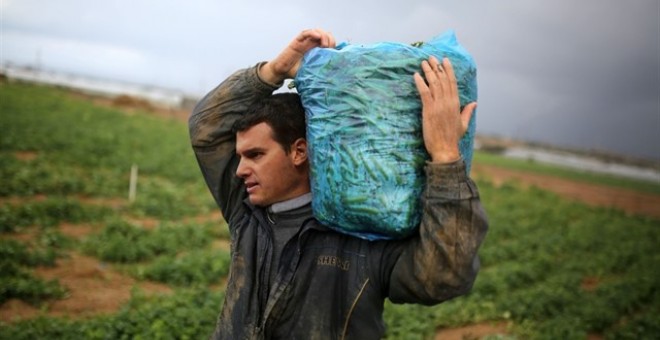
[[299, 151]]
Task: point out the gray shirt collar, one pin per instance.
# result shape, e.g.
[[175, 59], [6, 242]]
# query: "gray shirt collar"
[[291, 204]]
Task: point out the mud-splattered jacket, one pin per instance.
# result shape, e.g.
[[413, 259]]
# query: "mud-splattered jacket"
[[328, 285]]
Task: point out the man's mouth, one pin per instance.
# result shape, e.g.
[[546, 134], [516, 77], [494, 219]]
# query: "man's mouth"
[[251, 186]]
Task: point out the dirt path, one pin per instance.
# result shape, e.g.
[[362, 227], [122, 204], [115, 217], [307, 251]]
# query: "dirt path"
[[94, 288], [630, 201], [474, 332]]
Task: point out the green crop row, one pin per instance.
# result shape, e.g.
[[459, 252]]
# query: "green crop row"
[[196, 267], [19, 283], [67, 130], [186, 314], [155, 196], [16, 278], [167, 200], [123, 242], [42, 176], [48, 213]]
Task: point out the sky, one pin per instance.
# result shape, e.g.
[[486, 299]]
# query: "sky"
[[582, 74]]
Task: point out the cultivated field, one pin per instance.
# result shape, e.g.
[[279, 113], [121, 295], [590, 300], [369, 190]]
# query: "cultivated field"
[[79, 260]]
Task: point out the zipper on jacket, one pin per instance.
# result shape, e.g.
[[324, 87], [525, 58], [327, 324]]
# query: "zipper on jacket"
[[264, 269], [282, 283], [350, 312]]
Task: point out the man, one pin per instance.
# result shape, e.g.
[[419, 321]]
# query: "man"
[[290, 276]]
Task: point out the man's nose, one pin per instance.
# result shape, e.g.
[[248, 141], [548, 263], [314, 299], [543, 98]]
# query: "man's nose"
[[242, 169]]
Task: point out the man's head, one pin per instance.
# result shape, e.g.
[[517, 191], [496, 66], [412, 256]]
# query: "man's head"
[[271, 145]]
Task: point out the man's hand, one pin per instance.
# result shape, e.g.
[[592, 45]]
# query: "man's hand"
[[286, 64], [443, 124]]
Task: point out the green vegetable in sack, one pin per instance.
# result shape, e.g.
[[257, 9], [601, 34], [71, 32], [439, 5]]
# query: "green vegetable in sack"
[[364, 132]]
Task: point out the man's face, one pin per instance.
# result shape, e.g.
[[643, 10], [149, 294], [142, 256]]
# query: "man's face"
[[270, 174]]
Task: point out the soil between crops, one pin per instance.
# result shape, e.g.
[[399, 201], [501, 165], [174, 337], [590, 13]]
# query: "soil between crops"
[[630, 201]]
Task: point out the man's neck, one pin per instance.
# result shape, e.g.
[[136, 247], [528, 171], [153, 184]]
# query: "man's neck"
[[291, 204]]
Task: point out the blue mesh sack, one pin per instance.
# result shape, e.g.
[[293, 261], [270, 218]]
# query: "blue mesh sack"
[[364, 132]]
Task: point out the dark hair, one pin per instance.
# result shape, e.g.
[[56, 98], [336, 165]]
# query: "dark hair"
[[283, 112]]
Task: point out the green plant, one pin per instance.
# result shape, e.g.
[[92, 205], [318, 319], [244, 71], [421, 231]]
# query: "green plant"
[[124, 242], [187, 314], [193, 268], [16, 281], [48, 213]]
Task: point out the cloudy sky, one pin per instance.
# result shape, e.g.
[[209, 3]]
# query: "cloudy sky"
[[573, 73]]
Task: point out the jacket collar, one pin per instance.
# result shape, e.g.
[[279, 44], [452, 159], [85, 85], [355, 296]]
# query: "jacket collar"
[[309, 224]]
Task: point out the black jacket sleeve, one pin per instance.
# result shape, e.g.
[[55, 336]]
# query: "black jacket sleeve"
[[441, 262], [212, 139]]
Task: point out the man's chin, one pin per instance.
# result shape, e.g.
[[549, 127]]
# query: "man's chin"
[[257, 202]]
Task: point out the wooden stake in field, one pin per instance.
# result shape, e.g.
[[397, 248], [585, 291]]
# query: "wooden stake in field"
[[133, 183]]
